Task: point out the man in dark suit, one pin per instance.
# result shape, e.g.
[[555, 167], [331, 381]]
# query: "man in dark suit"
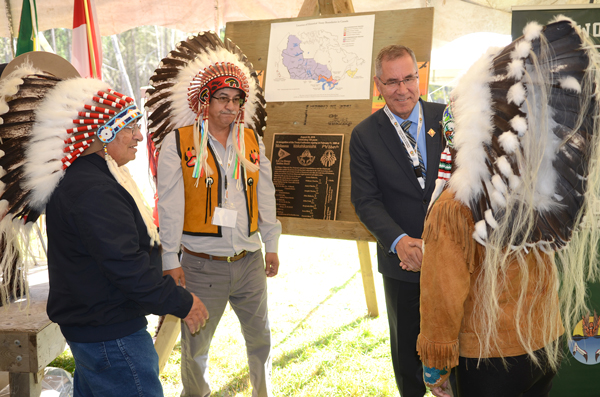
[[393, 177]]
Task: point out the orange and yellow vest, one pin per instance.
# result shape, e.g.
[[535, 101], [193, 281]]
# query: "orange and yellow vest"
[[201, 200]]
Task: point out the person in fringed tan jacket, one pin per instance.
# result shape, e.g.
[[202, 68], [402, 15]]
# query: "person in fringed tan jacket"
[[521, 130]]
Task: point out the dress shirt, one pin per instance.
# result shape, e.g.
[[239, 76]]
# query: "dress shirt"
[[171, 205], [421, 145]]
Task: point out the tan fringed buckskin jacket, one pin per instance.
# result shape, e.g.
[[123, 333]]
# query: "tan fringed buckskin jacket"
[[451, 265]]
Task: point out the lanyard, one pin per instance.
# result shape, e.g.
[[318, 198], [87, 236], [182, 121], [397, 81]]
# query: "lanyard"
[[229, 160], [412, 152]]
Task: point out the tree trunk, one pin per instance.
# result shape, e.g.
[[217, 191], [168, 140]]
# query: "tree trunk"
[[159, 52], [124, 77], [136, 72], [53, 41], [69, 41], [10, 27]]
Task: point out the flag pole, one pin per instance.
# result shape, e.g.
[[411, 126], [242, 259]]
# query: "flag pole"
[[90, 41], [34, 24]]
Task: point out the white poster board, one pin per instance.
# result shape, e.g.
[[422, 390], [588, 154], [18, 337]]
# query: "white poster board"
[[320, 59]]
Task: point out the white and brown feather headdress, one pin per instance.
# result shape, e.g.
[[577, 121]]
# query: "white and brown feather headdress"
[[181, 91], [526, 141], [524, 119]]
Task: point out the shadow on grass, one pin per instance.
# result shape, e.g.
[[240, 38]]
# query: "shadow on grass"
[[334, 290], [241, 380]]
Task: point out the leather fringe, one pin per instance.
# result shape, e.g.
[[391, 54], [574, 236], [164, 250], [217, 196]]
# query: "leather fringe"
[[458, 219], [438, 354]]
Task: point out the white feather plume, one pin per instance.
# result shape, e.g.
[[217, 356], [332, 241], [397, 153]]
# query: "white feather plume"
[[473, 117], [516, 69], [532, 31], [519, 124], [509, 142], [489, 218], [499, 184], [504, 166], [480, 233], [521, 50], [516, 94], [570, 83], [43, 169]]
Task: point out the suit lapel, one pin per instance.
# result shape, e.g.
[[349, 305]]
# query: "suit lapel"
[[434, 148], [392, 141]]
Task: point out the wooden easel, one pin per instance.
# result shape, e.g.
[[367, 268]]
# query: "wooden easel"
[[411, 27], [313, 8]]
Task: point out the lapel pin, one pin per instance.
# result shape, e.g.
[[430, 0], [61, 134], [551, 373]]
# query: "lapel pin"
[[431, 132]]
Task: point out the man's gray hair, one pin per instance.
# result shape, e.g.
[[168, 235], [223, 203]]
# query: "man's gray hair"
[[392, 52]]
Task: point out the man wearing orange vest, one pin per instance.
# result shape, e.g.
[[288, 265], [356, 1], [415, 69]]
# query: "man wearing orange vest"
[[215, 192]]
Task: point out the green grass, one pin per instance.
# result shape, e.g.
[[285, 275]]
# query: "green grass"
[[64, 361], [324, 344]]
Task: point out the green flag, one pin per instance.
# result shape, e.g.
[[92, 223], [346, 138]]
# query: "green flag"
[[27, 40]]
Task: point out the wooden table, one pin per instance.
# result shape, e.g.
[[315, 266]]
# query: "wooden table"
[[28, 339]]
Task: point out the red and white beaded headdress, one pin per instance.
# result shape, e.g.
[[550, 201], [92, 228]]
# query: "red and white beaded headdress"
[[49, 117], [184, 83], [76, 115]]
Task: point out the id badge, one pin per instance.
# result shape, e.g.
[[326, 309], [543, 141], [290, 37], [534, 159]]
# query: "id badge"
[[224, 217]]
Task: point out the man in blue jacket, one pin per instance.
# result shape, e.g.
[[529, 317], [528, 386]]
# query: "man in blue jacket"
[[104, 257]]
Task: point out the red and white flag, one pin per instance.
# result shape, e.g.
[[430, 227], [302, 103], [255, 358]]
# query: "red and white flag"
[[86, 53]]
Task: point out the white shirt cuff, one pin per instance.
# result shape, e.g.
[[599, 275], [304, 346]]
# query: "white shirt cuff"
[[170, 261], [272, 245]]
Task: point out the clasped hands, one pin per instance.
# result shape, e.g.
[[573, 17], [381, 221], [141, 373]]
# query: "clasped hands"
[[410, 253]]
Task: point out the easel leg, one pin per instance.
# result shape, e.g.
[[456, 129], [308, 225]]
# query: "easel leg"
[[166, 339], [367, 276]]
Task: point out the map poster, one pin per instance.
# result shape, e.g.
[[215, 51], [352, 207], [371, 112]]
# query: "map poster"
[[306, 174], [320, 59]]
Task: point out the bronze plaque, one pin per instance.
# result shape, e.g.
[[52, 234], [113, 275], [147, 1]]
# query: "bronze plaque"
[[306, 174]]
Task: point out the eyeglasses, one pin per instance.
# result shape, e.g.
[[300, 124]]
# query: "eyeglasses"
[[408, 82], [132, 128], [224, 100]]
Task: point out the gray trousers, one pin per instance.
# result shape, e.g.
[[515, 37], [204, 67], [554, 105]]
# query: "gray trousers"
[[243, 284]]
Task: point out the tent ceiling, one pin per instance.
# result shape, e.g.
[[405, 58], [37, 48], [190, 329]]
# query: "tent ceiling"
[[506, 5], [453, 18]]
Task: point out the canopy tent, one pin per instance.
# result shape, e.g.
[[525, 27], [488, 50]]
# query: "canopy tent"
[[453, 18]]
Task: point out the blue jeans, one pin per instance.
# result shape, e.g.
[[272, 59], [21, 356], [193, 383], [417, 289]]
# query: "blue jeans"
[[124, 367]]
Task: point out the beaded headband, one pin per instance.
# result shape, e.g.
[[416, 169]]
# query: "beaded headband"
[[99, 121], [213, 78]]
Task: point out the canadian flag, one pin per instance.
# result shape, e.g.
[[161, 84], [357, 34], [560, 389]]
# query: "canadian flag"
[[86, 53]]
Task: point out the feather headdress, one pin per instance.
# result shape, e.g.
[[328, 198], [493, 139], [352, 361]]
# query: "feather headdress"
[[526, 140], [46, 123], [524, 129], [183, 85]]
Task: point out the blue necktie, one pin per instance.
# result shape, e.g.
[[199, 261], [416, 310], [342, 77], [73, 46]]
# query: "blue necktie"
[[405, 126]]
